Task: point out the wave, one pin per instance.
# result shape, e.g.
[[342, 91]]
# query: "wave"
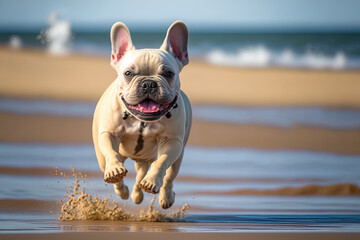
[[345, 189], [57, 37], [261, 56]]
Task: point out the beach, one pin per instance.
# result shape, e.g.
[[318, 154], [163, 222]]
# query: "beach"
[[302, 155], [82, 77], [79, 77]]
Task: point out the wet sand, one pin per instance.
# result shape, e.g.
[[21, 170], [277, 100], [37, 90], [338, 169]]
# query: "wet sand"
[[33, 73], [52, 129], [181, 236], [331, 190]]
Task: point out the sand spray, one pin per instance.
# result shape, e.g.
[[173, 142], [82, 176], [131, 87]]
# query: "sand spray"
[[79, 205]]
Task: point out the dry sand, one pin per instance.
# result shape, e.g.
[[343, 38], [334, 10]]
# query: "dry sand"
[[33, 73]]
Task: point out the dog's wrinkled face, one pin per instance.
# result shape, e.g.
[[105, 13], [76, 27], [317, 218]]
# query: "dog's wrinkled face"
[[148, 79], [148, 83]]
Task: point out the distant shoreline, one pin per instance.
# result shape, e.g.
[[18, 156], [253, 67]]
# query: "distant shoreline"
[[295, 50], [33, 73]]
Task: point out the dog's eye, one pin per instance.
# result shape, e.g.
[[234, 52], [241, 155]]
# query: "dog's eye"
[[168, 74], [128, 74]]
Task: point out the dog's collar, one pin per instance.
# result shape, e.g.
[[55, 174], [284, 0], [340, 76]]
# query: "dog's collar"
[[168, 114]]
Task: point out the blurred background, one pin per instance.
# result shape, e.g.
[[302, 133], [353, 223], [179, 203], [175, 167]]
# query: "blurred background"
[[275, 89]]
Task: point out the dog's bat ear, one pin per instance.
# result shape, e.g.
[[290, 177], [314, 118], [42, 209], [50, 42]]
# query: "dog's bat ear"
[[176, 41], [120, 42]]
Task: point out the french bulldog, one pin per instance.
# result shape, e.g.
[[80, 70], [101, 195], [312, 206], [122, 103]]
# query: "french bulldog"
[[143, 115]]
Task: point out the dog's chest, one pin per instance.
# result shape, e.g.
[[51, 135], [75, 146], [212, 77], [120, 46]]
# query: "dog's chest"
[[140, 139]]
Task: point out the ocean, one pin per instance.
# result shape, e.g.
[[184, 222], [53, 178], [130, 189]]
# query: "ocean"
[[287, 50]]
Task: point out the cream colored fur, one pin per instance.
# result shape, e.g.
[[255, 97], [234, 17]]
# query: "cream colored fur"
[[115, 139]]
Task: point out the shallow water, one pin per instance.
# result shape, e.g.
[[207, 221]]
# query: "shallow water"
[[194, 223], [286, 117], [31, 189]]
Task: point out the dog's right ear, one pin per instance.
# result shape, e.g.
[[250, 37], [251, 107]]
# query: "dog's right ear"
[[120, 42]]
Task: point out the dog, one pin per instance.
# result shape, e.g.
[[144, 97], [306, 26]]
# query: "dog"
[[143, 115]]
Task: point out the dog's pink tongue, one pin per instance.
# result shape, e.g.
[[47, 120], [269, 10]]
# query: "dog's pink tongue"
[[149, 106]]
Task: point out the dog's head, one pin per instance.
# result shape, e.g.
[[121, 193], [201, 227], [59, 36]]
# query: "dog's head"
[[148, 79]]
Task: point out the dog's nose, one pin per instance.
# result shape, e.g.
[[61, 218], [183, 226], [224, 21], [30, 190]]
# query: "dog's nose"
[[148, 86]]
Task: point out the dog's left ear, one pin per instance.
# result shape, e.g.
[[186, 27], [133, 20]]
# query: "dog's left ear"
[[176, 41], [120, 42]]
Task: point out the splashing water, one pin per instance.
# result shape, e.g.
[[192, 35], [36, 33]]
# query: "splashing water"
[[58, 36], [79, 205], [15, 42]]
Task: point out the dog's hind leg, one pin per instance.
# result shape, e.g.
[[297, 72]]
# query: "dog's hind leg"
[[167, 195], [141, 168], [121, 189]]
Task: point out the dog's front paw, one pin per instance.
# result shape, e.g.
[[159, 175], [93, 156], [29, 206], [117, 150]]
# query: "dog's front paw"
[[114, 172], [151, 183]]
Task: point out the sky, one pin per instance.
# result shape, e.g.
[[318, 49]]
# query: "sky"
[[200, 15]]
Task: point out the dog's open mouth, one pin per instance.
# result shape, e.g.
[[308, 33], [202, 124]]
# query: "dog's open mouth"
[[149, 110]]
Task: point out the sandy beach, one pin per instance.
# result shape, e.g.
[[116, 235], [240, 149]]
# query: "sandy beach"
[[33, 74]]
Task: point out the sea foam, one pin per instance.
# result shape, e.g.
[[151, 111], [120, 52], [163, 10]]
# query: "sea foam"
[[261, 56], [58, 36], [15, 42]]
